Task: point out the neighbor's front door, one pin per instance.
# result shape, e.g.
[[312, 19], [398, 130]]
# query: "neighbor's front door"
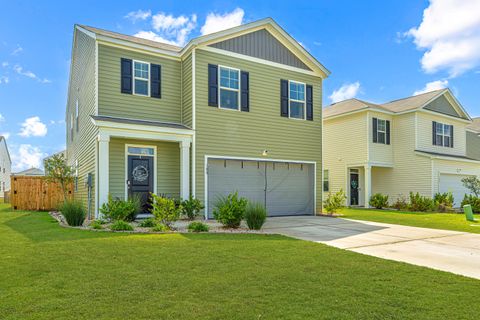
[[140, 179], [354, 189]]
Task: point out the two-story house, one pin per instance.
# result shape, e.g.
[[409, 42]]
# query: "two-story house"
[[414, 144], [237, 110], [5, 167]]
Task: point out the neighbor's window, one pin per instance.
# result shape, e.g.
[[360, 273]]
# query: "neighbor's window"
[[141, 78], [326, 181], [229, 88], [297, 100], [381, 130], [443, 134]]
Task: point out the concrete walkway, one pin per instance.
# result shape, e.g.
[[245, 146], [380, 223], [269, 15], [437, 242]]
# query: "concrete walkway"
[[456, 252]]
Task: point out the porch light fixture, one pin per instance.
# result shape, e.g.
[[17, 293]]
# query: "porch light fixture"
[[265, 153]]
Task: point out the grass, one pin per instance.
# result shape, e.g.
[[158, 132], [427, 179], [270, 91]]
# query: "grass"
[[50, 272], [444, 221]]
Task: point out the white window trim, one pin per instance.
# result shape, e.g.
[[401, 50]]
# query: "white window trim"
[[294, 100], [155, 173], [382, 131], [148, 79], [229, 89], [76, 109], [443, 135]]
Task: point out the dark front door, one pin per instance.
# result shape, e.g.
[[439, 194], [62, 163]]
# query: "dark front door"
[[354, 189], [140, 179]]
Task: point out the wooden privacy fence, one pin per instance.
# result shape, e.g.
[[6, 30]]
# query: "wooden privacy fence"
[[36, 193]]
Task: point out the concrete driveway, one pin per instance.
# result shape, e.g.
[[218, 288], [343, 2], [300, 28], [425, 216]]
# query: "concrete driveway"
[[456, 252]]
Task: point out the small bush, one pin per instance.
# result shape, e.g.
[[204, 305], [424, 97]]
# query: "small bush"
[[420, 203], [197, 227], [379, 201], [148, 223], [473, 201], [401, 203], [117, 209], [255, 215], [165, 210], [121, 225], [334, 201], [443, 201], [74, 212], [160, 228], [97, 225], [191, 207], [230, 210]]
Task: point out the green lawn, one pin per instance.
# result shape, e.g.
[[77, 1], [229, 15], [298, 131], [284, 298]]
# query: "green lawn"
[[49, 272], [445, 221]]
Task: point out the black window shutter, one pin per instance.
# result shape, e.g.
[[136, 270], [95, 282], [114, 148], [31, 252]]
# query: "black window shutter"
[[451, 136], [434, 133], [284, 98], [213, 85], [309, 97], [155, 81], [387, 128], [244, 88], [126, 75], [374, 131]]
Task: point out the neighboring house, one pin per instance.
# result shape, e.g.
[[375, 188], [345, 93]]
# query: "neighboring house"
[[473, 139], [414, 144], [32, 172], [5, 167], [237, 110]]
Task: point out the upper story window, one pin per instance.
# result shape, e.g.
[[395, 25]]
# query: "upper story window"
[[381, 131], [442, 135], [141, 71], [296, 100], [76, 113], [229, 88]]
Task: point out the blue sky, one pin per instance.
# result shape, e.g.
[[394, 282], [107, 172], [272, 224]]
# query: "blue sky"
[[376, 50]]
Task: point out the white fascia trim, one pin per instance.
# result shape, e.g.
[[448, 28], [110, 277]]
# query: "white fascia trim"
[[127, 45], [433, 157], [88, 33], [102, 124], [366, 108], [473, 131], [144, 135], [380, 164], [444, 115], [258, 60], [194, 126]]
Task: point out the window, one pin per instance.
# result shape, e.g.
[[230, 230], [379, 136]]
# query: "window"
[[141, 78], [229, 88], [296, 100], [143, 151], [326, 181], [381, 131], [71, 127], [76, 114], [443, 136]]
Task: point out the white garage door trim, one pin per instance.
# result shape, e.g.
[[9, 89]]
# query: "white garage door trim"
[[205, 167]]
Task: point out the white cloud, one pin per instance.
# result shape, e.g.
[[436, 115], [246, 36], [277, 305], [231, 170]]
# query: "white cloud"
[[33, 127], [432, 86], [347, 91], [4, 64], [6, 135], [29, 74], [217, 22], [450, 35], [27, 156], [138, 15], [2, 118], [150, 35], [4, 79], [17, 50]]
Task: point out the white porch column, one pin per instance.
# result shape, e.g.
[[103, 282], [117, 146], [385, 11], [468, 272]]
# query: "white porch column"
[[184, 169], [368, 184], [103, 169]]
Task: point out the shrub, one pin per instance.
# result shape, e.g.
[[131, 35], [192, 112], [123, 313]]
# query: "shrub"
[[443, 202], [165, 210], [197, 226], [117, 209], [191, 207], [473, 184], [255, 215], [379, 201], [148, 223], [334, 201], [121, 225], [97, 225], [420, 203], [230, 210], [400, 203], [473, 201], [160, 228], [74, 212]]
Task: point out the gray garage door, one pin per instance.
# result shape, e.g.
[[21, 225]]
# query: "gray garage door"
[[284, 188]]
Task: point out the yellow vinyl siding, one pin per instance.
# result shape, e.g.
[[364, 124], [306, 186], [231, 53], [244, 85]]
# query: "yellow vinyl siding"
[[116, 104], [167, 170], [379, 152], [83, 88], [247, 134]]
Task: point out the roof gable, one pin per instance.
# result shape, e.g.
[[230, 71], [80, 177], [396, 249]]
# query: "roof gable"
[[442, 105], [263, 45], [3, 141]]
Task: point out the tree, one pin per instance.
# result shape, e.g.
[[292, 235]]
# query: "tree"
[[57, 170], [473, 184]]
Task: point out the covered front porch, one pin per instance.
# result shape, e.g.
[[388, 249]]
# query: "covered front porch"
[[137, 157], [363, 180]]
